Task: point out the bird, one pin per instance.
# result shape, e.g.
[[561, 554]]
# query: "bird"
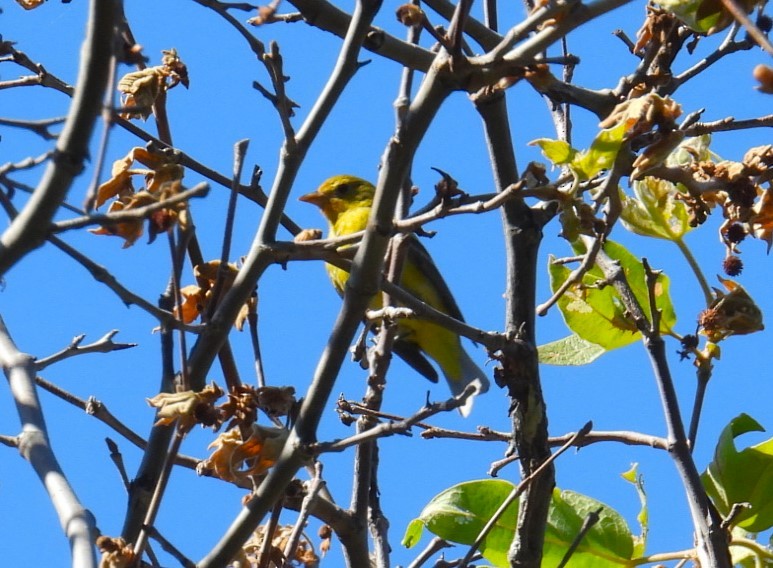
[[346, 201]]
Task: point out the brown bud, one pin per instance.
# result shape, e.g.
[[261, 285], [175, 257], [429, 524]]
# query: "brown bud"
[[410, 15], [764, 75], [308, 235]]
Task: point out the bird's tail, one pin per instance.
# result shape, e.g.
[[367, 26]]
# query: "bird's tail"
[[471, 374]]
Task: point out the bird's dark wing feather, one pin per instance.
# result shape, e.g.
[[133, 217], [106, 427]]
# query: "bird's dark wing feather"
[[411, 354], [418, 255]]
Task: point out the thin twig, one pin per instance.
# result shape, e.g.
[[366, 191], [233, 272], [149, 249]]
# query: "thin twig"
[[740, 15], [99, 410], [311, 494], [266, 546], [398, 427], [588, 261], [240, 151], [101, 274], [161, 484], [170, 548], [104, 344], [127, 215], [587, 524], [39, 127], [435, 545], [117, 458]]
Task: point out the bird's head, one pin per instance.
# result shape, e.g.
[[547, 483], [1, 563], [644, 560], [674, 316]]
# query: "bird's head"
[[340, 194]]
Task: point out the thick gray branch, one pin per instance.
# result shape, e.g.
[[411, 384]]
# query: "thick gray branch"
[[77, 523]]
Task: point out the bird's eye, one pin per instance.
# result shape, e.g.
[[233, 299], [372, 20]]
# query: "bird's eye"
[[342, 189]]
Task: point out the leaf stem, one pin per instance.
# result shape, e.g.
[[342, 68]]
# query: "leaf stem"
[[687, 253]]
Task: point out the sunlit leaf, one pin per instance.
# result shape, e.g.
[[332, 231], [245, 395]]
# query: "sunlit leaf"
[[570, 350], [140, 90], [459, 513], [557, 151], [635, 478], [735, 477], [116, 552], [593, 310], [30, 4], [656, 211], [602, 153], [609, 542]]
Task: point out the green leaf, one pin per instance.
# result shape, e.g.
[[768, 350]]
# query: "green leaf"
[[557, 151], [602, 152], [608, 543], [742, 477], [690, 150], [656, 211], [459, 513], [586, 164], [636, 479], [595, 312], [743, 556], [702, 16], [413, 533], [571, 350]]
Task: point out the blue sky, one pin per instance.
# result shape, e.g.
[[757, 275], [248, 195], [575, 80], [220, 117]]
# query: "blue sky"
[[47, 299]]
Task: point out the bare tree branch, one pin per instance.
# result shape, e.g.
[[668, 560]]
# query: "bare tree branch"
[[29, 230], [77, 522]]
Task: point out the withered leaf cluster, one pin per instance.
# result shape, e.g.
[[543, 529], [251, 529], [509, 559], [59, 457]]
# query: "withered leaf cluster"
[[197, 299], [244, 448], [161, 180], [141, 88], [241, 453], [746, 206], [116, 552], [303, 555]]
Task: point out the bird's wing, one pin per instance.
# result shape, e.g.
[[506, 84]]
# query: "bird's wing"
[[419, 256], [413, 356]]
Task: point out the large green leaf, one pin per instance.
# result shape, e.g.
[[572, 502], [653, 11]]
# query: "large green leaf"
[[459, 513], [608, 543], [742, 477], [596, 314]]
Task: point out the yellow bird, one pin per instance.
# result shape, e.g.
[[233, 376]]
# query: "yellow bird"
[[346, 202]]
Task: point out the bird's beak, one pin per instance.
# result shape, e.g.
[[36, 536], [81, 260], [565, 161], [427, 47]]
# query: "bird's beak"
[[315, 198]]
